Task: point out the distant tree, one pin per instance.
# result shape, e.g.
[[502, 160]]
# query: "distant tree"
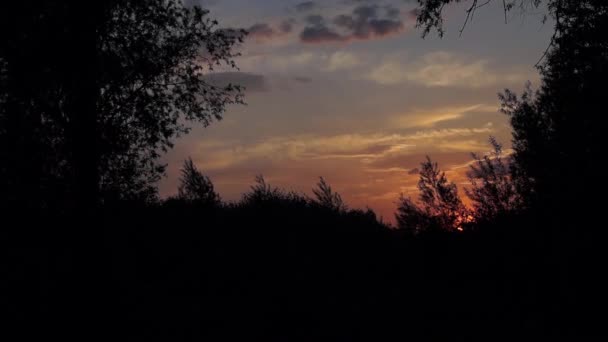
[[195, 187], [411, 218], [118, 82], [440, 205], [327, 198], [263, 193], [440, 197], [492, 189]]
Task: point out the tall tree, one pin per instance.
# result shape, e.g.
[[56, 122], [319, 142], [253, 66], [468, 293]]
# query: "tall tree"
[[556, 129], [440, 205], [492, 190], [558, 154], [118, 83], [195, 187]]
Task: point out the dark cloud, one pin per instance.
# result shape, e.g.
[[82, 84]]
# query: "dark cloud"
[[392, 12], [315, 20], [413, 171], [366, 12], [320, 34], [263, 31], [344, 21], [252, 82], [367, 21], [306, 6]]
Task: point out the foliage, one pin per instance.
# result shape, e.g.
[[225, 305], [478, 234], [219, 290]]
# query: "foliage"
[[429, 14], [264, 194], [411, 218], [557, 134], [195, 187], [492, 190], [118, 83], [440, 205], [439, 197], [327, 198]]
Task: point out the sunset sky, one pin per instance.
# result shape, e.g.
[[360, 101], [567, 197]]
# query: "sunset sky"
[[348, 90]]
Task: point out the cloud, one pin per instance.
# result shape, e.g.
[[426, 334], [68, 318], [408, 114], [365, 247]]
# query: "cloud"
[[365, 22], [367, 169], [431, 117], [315, 20], [300, 62], [367, 149], [252, 82], [262, 32], [443, 69], [305, 6], [286, 26], [320, 34], [342, 60], [392, 12], [278, 62]]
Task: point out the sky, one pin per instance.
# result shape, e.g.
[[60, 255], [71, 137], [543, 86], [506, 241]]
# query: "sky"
[[349, 90]]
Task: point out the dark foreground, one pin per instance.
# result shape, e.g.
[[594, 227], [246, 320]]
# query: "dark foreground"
[[279, 272]]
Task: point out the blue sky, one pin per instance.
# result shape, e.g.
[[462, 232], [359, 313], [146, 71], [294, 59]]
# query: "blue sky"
[[348, 90]]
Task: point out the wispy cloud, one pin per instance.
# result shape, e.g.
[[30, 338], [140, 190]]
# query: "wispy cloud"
[[365, 148], [431, 117], [443, 69], [284, 63], [280, 62], [341, 60]]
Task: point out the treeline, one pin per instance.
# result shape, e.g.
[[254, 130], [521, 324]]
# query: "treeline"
[[274, 265], [279, 265]]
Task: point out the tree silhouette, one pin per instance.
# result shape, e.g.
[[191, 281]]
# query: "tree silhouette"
[[440, 197], [492, 189], [558, 154], [440, 205], [195, 187], [557, 129], [327, 198], [118, 83], [411, 218], [268, 196]]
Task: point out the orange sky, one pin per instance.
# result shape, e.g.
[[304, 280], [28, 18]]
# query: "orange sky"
[[361, 110]]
